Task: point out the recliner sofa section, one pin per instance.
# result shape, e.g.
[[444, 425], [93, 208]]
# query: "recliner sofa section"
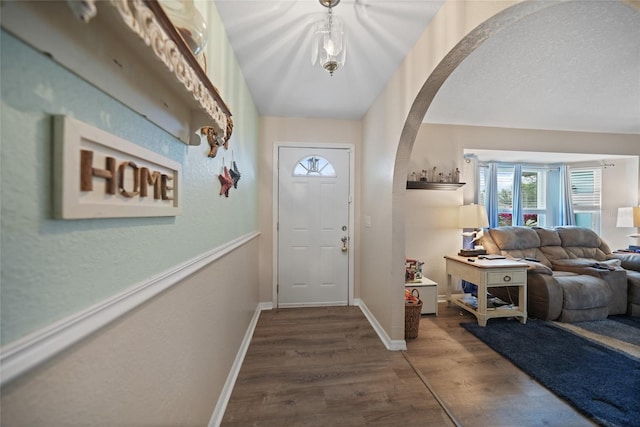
[[631, 263], [572, 275]]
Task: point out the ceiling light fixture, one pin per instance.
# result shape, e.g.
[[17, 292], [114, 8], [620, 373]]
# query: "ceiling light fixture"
[[329, 46]]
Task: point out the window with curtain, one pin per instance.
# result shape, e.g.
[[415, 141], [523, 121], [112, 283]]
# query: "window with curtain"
[[586, 184], [533, 185]]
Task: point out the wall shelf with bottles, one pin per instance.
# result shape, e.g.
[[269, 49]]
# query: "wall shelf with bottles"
[[131, 50], [425, 185]]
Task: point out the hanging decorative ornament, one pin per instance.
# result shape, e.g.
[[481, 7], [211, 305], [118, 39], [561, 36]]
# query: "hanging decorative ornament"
[[329, 47], [225, 181], [234, 172], [188, 21]]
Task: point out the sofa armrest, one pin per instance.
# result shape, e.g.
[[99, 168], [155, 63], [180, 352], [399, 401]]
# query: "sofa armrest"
[[544, 297], [537, 267], [584, 265], [628, 261]]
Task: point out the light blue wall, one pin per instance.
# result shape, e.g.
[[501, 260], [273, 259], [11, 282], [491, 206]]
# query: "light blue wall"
[[53, 268]]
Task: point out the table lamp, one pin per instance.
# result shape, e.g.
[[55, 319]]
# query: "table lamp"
[[629, 218], [472, 217]]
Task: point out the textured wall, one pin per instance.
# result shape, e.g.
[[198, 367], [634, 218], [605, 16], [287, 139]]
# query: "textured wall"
[[389, 130], [52, 268], [166, 361], [163, 364]]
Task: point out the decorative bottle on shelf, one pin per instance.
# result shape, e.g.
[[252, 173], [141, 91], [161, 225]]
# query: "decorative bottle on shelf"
[[188, 21], [456, 176]]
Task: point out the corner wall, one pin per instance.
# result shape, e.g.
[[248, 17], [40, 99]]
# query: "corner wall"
[[389, 130]]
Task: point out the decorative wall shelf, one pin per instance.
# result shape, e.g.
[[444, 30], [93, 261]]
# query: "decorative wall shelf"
[[424, 185], [130, 50]]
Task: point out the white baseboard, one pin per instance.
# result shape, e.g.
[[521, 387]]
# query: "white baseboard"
[[227, 389], [24, 354], [393, 345]]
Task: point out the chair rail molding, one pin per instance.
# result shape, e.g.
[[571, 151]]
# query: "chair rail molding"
[[26, 353]]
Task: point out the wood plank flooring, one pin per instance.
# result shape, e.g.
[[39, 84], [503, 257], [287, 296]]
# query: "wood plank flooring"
[[327, 367]]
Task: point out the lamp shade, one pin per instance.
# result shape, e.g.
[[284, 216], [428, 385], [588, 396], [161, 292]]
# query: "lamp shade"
[[628, 217], [473, 216]]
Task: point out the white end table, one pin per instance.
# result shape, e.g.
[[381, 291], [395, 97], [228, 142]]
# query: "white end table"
[[428, 294], [486, 274]]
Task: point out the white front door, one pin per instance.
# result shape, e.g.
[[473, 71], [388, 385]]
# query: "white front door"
[[313, 226]]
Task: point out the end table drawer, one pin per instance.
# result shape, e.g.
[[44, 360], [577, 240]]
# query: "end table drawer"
[[506, 277]]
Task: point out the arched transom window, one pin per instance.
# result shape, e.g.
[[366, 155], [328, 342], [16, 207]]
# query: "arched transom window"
[[314, 166]]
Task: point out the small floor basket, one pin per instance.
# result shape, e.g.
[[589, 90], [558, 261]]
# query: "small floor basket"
[[412, 311]]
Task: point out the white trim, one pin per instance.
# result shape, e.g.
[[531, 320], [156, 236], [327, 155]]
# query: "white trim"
[[24, 354], [227, 389], [352, 192], [393, 345], [266, 305]]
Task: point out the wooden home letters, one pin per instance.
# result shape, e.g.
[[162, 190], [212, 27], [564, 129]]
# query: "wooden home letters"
[[98, 175]]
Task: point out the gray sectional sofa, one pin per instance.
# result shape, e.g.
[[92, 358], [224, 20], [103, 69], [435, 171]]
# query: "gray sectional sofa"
[[573, 276]]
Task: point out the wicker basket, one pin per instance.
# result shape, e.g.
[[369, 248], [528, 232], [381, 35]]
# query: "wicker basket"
[[412, 311]]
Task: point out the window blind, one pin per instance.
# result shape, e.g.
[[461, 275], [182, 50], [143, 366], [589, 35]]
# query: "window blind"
[[586, 187]]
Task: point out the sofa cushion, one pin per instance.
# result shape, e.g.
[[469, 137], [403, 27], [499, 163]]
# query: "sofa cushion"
[[517, 243], [630, 261], [585, 298], [580, 242], [509, 238], [548, 236]]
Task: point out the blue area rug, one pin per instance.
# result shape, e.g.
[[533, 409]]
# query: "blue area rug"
[[601, 383]]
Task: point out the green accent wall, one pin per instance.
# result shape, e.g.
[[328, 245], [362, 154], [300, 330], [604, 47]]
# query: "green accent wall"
[[51, 268]]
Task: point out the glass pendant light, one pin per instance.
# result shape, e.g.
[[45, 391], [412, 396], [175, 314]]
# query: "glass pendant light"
[[329, 46]]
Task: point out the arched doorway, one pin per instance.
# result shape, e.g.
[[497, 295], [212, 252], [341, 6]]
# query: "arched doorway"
[[423, 101]]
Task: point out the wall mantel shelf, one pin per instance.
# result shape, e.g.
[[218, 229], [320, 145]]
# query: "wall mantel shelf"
[[130, 50], [425, 185]]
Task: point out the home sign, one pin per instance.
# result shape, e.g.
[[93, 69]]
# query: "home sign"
[[98, 175]]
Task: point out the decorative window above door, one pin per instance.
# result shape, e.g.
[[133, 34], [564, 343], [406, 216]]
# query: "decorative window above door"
[[314, 166]]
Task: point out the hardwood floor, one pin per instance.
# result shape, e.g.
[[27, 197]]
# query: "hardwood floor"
[[327, 367], [481, 387]]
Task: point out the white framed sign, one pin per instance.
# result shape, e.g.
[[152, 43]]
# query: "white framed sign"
[[98, 175]]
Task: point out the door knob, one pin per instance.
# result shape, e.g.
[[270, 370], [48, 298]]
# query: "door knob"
[[344, 239]]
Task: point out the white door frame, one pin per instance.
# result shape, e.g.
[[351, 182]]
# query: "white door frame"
[[274, 229]]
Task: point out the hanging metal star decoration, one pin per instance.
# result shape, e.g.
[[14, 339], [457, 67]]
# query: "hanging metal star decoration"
[[226, 182]]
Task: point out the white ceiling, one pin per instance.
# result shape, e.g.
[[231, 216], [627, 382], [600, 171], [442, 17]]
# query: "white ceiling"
[[272, 42], [574, 66]]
